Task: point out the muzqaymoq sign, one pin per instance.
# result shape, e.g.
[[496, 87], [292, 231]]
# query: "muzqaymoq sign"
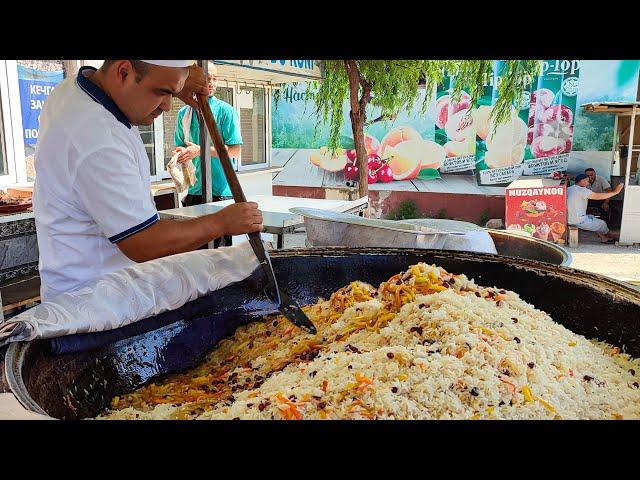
[[537, 207]]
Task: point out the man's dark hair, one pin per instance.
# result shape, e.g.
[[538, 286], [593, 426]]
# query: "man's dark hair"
[[141, 68], [590, 170]]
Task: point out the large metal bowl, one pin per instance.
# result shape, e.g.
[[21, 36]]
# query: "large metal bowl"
[[81, 385], [333, 229], [326, 228]]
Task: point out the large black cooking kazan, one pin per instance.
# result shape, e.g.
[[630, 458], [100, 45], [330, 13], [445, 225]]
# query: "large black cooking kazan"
[[81, 385]]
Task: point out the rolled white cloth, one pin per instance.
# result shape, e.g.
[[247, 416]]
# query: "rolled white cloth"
[[133, 293]]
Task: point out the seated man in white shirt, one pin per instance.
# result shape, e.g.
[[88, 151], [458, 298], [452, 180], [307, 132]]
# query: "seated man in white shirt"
[[598, 184], [578, 196], [93, 205]]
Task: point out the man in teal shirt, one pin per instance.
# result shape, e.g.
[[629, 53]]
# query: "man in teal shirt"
[[188, 131]]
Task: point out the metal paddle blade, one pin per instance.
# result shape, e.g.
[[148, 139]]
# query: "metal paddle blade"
[[290, 309], [287, 306]]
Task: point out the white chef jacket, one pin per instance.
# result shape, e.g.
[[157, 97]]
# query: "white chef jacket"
[[92, 186]]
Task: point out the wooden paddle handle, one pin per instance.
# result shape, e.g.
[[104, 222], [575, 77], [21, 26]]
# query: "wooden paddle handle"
[[225, 161], [236, 190]]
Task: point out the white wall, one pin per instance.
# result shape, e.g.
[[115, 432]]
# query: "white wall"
[[256, 183], [600, 161]]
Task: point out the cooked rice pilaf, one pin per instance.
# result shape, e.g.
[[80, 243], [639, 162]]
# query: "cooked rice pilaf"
[[427, 344]]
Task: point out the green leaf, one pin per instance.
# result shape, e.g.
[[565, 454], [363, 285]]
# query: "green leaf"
[[428, 174], [440, 137], [347, 142], [527, 153]]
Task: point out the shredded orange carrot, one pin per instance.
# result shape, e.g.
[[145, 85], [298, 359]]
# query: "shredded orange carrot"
[[398, 301], [363, 382], [512, 386], [288, 408]]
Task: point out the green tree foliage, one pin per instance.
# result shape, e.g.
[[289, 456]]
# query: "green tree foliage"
[[406, 210], [593, 132]]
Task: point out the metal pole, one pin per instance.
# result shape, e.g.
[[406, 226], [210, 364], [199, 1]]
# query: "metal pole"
[[630, 148], [615, 152], [205, 150], [627, 198]]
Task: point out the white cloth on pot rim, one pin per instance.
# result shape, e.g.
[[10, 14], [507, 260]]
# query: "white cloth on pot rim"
[[133, 293]]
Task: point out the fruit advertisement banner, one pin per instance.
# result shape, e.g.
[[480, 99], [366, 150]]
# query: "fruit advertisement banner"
[[499, 151], [397, 149], [455, 129], [538, 210], [539, 137], [551, 117]]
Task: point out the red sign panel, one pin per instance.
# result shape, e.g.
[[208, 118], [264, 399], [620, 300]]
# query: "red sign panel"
[[539, 210]]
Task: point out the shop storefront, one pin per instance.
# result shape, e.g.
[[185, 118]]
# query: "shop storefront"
[[247, 85], [625, 207]]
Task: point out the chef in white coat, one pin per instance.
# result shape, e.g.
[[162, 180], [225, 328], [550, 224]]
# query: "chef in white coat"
[[93, 205]]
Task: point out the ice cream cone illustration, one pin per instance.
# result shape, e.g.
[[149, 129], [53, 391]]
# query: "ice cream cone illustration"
[[543, 230], [557, 231]]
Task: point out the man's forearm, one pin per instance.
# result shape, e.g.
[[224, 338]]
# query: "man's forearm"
[[602, 196], [168, 237], [232, 150]]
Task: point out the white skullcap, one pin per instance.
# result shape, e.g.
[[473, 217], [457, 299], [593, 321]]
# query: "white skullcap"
[[171, 63]]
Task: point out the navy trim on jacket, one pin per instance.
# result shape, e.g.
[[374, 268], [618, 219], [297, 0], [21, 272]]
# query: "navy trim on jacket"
[[133, 230], [95, 92]]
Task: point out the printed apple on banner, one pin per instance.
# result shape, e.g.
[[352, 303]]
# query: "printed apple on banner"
[[401, 155]]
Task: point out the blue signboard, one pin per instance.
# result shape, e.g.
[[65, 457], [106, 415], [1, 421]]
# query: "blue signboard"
[[35, 86]]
